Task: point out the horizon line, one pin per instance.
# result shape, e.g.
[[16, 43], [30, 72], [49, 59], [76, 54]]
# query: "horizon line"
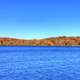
[[38, 38]]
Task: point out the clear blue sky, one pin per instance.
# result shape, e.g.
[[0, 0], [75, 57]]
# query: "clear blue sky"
[[39, 18]]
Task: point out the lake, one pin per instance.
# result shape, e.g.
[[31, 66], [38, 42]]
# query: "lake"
[[39, 63]]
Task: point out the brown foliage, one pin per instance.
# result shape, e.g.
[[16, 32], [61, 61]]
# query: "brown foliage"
[[55, 41]]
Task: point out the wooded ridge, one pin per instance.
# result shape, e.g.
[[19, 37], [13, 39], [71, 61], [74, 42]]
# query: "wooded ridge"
[[53, 41]]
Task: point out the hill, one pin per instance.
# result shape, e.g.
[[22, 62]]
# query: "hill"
[[54, 41]]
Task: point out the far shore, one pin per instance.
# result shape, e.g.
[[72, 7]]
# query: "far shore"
[[53, 41]]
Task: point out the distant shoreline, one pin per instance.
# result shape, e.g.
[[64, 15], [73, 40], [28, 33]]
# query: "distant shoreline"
[[53, 41]]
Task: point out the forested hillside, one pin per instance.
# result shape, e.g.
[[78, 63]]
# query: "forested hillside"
[[54, 41]]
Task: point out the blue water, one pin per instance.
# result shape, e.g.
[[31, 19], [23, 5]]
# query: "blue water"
[[39, 63]]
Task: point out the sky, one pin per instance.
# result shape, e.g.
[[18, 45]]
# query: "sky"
[[29, 19]]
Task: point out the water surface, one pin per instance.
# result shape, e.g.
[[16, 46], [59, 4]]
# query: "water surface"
[[39, 63]]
